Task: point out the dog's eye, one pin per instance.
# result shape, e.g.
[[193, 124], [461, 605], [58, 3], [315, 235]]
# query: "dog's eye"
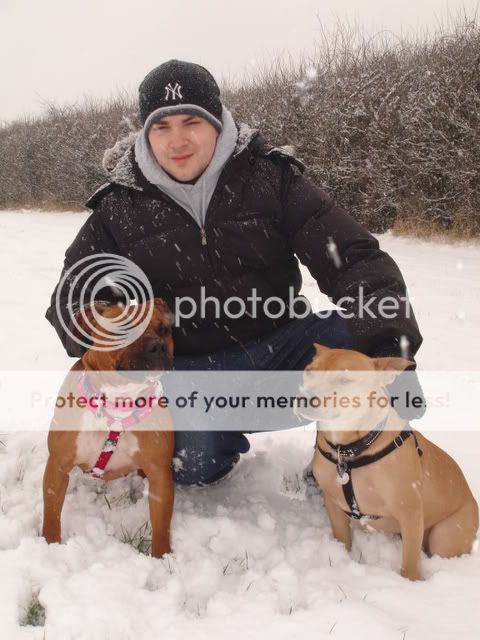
[[162, 331]]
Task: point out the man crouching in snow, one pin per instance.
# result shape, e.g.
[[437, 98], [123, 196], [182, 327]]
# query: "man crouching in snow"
[[208, 209]]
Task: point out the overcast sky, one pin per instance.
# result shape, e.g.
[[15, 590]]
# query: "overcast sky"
[[62, 50]]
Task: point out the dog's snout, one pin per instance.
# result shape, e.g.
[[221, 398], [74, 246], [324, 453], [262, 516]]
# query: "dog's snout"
[[155, 348]]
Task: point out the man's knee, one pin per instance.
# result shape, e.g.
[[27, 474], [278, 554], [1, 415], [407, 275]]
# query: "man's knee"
[[202, 457], [332, 330], [329, 329]]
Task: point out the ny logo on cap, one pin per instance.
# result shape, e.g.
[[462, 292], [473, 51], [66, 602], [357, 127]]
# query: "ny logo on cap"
[[173, 92]]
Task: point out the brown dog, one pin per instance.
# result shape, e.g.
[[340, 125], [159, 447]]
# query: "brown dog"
[[140, 438], [375, 469]]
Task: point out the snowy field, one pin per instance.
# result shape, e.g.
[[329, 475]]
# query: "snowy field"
[[253, 556]]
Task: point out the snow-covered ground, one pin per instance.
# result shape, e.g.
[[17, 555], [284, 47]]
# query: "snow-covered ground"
[[254, 557]]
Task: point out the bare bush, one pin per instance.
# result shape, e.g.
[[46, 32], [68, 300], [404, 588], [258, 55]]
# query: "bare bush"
[[391, 130], [56, 160]]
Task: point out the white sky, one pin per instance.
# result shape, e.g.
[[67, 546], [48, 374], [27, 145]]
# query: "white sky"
[[63, 50]]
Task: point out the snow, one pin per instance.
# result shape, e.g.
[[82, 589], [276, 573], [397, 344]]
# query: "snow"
[[253, 555]]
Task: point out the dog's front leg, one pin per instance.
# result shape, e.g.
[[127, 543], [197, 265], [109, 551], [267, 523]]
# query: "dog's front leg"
[[55, 483], [412, 530], [339, 521], [160, 498]]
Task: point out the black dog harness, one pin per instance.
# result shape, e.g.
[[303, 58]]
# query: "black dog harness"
[[352, 452]]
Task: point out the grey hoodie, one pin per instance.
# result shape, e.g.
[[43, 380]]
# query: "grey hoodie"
[[194, 198]]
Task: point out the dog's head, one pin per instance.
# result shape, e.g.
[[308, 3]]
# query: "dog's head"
[[149, 347], [344, 389]]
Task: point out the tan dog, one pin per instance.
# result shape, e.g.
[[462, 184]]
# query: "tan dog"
[[410, 486], [78, 433]]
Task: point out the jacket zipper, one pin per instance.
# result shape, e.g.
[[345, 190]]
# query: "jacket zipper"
[[219, 186], [187, 216]]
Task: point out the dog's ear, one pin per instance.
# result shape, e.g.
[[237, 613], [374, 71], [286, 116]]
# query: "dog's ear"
[[160, 304], [320, 348], [164, 309], [390, 368], [84, 319], [392, 364]]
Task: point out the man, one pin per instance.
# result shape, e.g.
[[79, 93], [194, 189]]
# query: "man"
[[210, 211]]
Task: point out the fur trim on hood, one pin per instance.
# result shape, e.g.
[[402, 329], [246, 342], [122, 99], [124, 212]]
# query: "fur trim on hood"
[[112, 156]]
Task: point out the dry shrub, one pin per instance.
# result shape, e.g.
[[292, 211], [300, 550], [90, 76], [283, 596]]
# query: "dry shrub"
[[391, 130]]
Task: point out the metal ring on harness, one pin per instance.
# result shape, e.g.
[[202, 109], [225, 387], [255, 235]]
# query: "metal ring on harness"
[[398, 441]]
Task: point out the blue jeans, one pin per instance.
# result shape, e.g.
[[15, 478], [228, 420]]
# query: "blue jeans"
[[201, 457]]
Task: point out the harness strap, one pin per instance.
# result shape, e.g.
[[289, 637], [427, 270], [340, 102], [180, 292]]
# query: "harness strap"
[[106, 453], [350, 499], [115, 425], [361, 461], [356, 448], [344, 468]]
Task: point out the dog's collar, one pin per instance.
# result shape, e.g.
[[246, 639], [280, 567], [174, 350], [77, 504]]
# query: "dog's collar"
[[99, 404], [361, 461], [356, 448]]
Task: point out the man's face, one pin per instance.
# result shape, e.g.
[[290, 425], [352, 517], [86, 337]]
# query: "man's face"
[[183, 145]]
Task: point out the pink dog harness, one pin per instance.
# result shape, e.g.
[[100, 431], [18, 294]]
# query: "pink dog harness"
[[116, 425]]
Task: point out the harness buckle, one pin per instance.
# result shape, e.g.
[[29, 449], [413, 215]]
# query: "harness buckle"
[[398, 441]]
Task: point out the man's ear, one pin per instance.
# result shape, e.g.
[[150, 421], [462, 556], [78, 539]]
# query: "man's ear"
[[161, 305], [390, 368]]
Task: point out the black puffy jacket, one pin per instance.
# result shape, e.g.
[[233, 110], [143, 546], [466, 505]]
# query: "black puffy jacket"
[[263, 217]]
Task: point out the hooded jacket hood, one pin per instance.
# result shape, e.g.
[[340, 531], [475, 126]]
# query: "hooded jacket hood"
[[122, 169], [195, 197]]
